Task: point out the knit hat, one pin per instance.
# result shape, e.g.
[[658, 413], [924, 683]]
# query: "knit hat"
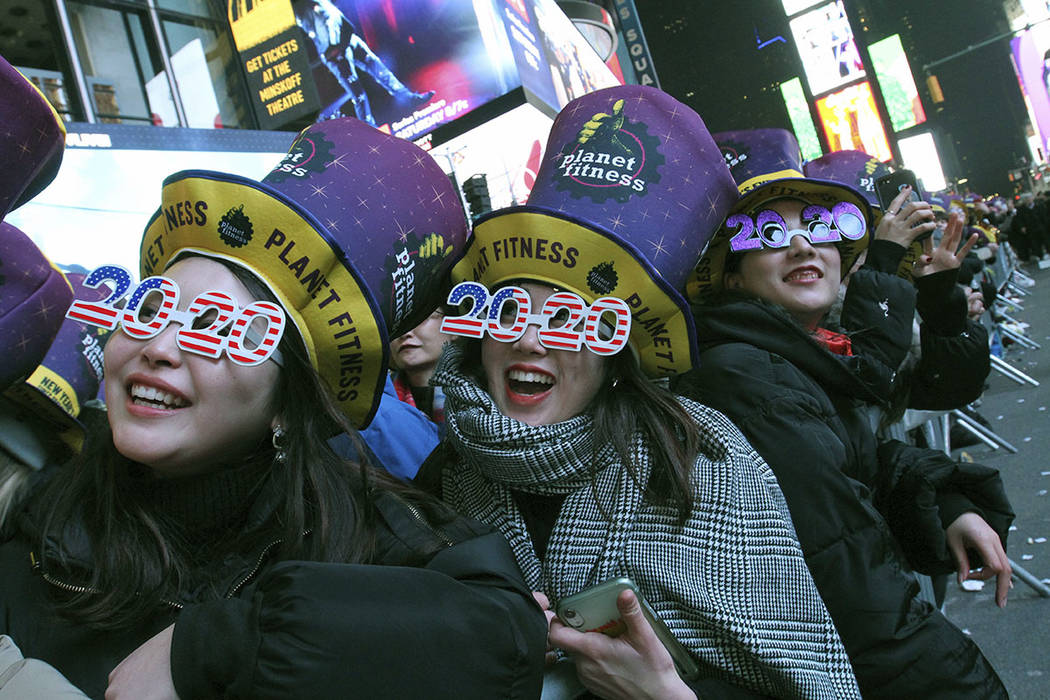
[[70, 373], [354, 232], [766, 165], [630, 190]]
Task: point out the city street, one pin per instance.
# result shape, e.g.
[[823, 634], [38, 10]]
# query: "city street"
[[1017, 640]]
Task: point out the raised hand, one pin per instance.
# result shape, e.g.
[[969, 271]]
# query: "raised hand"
[[904, 221], [947, 255]]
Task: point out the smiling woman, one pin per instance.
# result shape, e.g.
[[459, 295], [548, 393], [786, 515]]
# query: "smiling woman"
[[801, 394], [562, 435], [208, 542]]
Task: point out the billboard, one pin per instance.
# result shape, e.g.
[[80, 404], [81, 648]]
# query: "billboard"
[[108, 186], [919, 154], [274, 59], [896, 82], [406, 67], [575, 67], [851, 122], [793, 7], [801, 121], [824, 40], [1033, 71]]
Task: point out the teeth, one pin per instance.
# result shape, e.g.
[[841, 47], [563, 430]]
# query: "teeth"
[[151, 396], [803, 275], [520, 376]]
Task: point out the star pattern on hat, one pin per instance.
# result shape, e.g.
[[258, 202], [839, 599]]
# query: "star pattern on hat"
[[338, 161], [315, 190], [658, 248], [438, 197]]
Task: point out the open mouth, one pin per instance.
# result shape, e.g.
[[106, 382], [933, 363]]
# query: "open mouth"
[[151, 397], [529, 383], [804, 274]]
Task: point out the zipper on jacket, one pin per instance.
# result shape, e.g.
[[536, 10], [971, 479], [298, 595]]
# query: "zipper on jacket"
[[255, 569], [70, 588], [437, 531]]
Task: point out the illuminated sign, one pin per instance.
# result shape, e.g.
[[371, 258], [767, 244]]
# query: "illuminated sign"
[[896, 82], [410, 66], [919, 154], [851, 122], [274, 58], [824, 40], [801, 121], [1033, 71]]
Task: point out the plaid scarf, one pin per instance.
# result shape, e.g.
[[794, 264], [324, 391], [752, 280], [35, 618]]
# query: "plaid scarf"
[[731, 583]]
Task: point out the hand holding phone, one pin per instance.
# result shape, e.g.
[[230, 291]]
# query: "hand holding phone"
[[917, 224], [596, 609]]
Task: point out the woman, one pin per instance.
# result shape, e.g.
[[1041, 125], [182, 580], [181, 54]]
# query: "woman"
[[800, 394], [208, 543], [591, 469]]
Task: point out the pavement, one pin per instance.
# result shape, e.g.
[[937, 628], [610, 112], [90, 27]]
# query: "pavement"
[[1016, 640]]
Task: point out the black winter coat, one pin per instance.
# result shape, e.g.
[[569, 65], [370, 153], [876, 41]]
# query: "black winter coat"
[[456, 624], [806, 412]]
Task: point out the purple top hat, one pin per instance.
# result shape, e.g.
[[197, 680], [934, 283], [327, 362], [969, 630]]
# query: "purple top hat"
[[354, 231], [69, 374], [629, 192], [31, 142], [939, 202], [767, 164], [854, 168], [34, 296]]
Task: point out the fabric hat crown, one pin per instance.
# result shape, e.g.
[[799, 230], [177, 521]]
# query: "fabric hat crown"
[[33, 293], [70, 373], [630, 189], [354, 231], [855, 168], [767, 165]]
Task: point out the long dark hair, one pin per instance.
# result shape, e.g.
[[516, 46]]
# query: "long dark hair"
[[629, 403], [315, 505]]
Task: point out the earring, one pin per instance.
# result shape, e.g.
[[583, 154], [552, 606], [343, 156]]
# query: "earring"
[[615, 382], [278, 434]]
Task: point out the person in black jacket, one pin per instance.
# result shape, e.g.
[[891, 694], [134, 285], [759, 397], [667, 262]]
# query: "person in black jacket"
[[865, 513], [208, 542]]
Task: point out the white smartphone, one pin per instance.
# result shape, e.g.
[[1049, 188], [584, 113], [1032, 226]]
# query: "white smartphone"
[[594, 610]]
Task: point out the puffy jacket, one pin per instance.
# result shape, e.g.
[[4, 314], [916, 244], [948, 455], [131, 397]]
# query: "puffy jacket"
[[458, 623], [806, 412]]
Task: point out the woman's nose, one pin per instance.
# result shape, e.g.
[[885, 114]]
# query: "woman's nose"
[[529, 342], [162, 349]]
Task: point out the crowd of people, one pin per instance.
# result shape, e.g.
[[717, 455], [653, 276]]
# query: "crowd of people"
[[336, 450]]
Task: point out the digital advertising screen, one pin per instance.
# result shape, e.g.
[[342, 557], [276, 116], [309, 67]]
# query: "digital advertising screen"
[[406, 67], [919, 154], [851, 122], [274, 59], [1033, 72], [575, 67], [801, 121], [825, 44], [506, 150], [897, 83], [95, 210]]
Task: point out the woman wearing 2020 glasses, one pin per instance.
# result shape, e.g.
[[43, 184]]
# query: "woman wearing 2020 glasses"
[[800, 393], [563, 436], [208, 543]]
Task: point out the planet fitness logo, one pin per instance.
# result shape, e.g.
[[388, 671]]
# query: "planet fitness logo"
[[734, 153], [235, 228], [414, 265], [611, 158], [311, 153]]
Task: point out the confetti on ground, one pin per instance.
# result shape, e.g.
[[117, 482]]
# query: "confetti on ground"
[[1020, 400], [1040, 540], [972, 585], [1013, 528], [1042, 408], [1028, 439], [1025, 557], [1034, 674], [966, 632], [1030, 541], [1045, 473], [1042, 492], [998, 417]]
